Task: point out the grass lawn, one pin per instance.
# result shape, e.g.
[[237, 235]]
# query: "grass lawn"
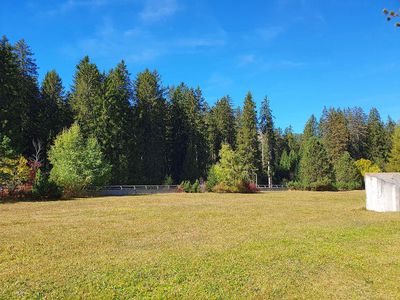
[[197, 246]]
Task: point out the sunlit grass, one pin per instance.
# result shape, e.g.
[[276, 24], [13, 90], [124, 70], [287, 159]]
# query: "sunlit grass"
[[197, 246]]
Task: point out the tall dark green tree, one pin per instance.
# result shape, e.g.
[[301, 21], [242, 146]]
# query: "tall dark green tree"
[[377, 139], [150, 128], [11, 108], [267, 140], [335, 134], [55, 113], [116, 135], [221, 126], [188, 147], [358, 133], [87, 98], [347, 175], [248, 144], [315, 166], [28, 93], [310, 129]]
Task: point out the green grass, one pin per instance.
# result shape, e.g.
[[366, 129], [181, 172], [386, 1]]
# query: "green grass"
[[196, 246]]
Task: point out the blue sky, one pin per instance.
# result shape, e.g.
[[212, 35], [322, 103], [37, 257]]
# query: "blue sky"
[[303, 54]]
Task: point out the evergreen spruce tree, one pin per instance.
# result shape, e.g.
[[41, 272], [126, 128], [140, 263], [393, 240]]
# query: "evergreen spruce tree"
[[267, 140], [377, 139], [55, 112], [310, 129], [358, 132], [316, 171], [335, 134], [150, 128], [394, 158], [116, 135], [188, 148], [390, 127], [347, 175], [11, 108], [248, 144], [28, 93], [221, 126], [87, 98]]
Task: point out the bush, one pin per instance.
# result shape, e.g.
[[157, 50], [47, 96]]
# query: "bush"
[[223, 188], [77, 163], [187, 187], [44, 189], [366, 166], [168, 180]]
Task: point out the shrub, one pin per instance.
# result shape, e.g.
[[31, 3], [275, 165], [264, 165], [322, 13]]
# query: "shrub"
[[196, 187], [45, 189], [77, 163], [223, 188], [366, 166], [168, 180]]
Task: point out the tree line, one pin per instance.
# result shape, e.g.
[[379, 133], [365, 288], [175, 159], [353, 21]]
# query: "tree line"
[[150, 134]]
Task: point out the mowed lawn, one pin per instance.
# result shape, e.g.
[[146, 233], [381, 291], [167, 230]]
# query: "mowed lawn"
[[197, 246]]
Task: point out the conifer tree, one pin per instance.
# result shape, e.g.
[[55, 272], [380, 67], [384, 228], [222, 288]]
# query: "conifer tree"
[[358, 132], [267, 140], [188, 148], [221, 126], [87, 98], [248, 144], [28, 93], [150, 128], [335, 134], [10, 103], [315, 166], [377, 139], [394, 158], [55, 112], [116, 135], [310, 129], [347, 175]]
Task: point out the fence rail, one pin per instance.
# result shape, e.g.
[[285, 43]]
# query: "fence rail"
[[125, 190]]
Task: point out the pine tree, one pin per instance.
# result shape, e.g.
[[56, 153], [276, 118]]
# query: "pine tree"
[[87, 98], [116, 135], [267, 140], [347, 175], [394, 158], [248, 144], [28, 93], [315, 167], [55, 113], [335, 134], [377, 139], [358, 132], [150, 128], [188, 148], [310, 129], [221, 126], [10, 103]]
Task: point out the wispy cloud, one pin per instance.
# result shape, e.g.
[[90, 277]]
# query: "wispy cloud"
[[140, 44], [261, 63], [72, 4], [157, 10]]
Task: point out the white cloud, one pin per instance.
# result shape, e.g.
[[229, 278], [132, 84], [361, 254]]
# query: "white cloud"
[[157, 10], [72, 4]]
